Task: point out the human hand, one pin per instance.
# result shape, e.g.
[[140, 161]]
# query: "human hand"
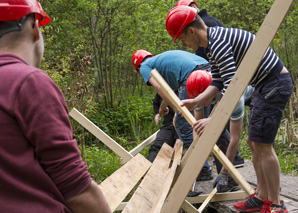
[[190, 104], [157, 119], [200, 125], [176, 143], [163, 111]]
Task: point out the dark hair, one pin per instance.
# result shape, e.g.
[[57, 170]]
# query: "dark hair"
[[197, 23], [15, 25]]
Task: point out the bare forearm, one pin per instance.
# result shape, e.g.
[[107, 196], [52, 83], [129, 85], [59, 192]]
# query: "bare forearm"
[[90, 200]]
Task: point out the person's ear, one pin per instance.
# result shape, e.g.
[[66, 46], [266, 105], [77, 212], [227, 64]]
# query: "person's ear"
[[191, 30], [36, 31]]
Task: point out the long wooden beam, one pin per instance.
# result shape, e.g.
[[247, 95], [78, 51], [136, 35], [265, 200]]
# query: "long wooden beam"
[[225, 107], [101, 135]]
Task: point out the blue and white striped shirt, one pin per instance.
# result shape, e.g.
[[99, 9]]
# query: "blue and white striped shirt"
[[226, 49]]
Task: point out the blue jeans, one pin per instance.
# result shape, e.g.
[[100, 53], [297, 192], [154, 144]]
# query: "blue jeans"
[[183, 128]]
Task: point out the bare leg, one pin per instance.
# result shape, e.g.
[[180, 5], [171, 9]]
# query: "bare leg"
[[270, 168], [235, 133], [267, 170], [262, 191]]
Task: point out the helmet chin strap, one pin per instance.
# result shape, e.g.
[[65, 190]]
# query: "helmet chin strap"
[[15, 26]]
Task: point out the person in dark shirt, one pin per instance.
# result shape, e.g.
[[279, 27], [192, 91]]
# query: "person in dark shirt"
[[167, 133]]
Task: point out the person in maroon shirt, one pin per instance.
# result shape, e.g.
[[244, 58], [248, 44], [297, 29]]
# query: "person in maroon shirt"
[[41, 169]]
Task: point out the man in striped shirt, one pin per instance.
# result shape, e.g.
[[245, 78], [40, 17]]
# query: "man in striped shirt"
[[225, 49]]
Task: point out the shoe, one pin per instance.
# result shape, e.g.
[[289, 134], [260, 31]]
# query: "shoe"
[[231, 186], [271, 207], [251, 204], [238, 161], [205, 175]]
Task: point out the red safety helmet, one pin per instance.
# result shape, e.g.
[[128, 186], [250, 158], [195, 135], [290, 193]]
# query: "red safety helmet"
[[197, 82], [186, 2], [11, 10], [138, 57], [178, 18]]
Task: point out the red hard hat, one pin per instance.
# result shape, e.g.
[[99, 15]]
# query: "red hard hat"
[[138, 57], [11, 10], [178, 18], [186, 2], [197, 82]]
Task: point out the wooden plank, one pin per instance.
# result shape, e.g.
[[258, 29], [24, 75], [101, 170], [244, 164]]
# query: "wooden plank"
[[238, 195], [186, 206], [208, 199], [225, 107], [148, 191], [169, 179], [117, 186], [216, 150], [142, 145], [101, 135]]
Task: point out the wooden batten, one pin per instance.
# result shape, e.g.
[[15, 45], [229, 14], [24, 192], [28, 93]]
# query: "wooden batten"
[[150, 189], [117, 186], [101, 135]]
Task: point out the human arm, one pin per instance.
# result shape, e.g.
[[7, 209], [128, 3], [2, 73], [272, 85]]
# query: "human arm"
[[166, 101], [156, 101], [42, 115], [90, 200], [204, 99]]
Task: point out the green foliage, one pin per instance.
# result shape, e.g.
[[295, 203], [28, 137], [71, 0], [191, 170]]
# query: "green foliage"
[[88, 50], [101, 162], [130, 117]]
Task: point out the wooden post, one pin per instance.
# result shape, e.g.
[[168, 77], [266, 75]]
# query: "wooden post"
[[225, 107]]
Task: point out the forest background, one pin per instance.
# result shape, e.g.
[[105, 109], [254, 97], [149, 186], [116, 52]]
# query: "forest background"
[[88, 49]]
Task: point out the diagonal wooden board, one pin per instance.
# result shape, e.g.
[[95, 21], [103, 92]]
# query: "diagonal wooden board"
[[117, 186], [107, 140], [101, 135], [224, 109], [142, 145], [169, 178], [150, 188]]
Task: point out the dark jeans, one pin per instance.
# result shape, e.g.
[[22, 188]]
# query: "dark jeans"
[[166, 134], [183, 128]]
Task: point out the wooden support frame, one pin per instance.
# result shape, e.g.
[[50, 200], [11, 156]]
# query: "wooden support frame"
[[224, 109]]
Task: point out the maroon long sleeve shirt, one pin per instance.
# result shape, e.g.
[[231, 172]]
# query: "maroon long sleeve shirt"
[[40, 163]]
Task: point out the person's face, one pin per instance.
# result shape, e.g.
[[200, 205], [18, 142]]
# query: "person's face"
[[189, 40], [194, 38]]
